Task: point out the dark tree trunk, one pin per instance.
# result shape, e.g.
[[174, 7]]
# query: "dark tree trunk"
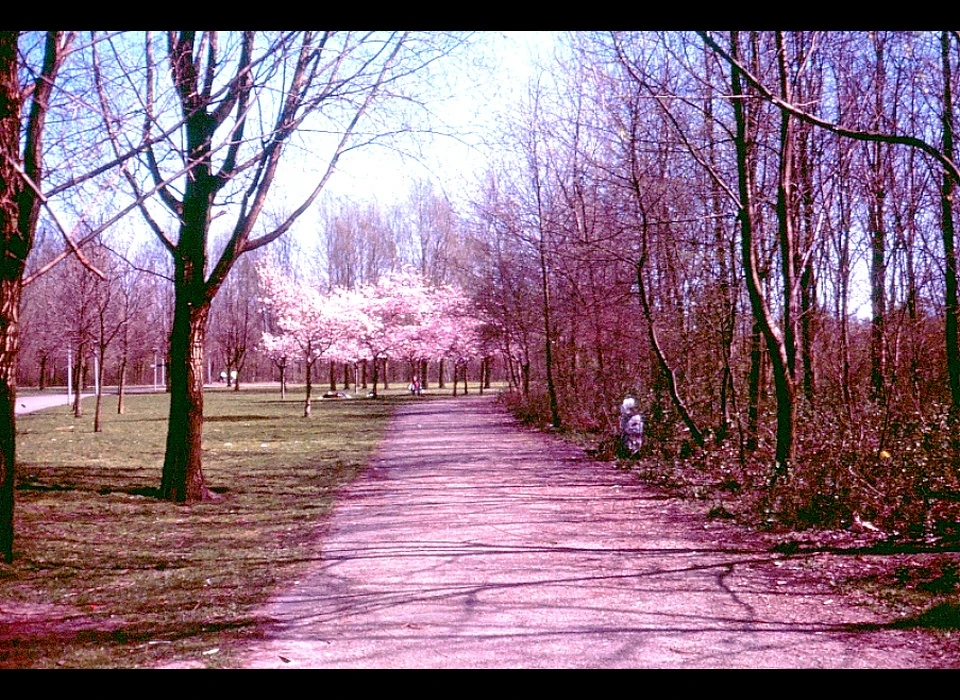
[[78, 383], [98, 410], [182, 480], [375, 378], [949, 249], [876, 206], [754, 387], [10, 293], [783, 386]]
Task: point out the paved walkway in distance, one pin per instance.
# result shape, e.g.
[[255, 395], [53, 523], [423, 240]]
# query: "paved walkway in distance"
[[27, 404], [471, 543]]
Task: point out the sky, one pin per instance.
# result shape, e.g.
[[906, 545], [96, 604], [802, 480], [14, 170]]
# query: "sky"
[[477, 98]]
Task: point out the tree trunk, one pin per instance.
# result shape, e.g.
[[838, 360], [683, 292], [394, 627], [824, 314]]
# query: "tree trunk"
[[78, 383], [754, 388], [182, 480], [308, 400], [10, 293], [783, 385], [666, 370], [375, 378], [121, 384], [951, 310], [785, 218], [876, 206], [98, 411]]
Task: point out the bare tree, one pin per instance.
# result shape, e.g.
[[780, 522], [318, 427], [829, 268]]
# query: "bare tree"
[[240, 102], [21, 160]]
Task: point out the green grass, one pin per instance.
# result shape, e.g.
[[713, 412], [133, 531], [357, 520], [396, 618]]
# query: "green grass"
[[106, 575]]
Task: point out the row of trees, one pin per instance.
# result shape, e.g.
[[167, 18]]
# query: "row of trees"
[[753, 231], [123, 318], [399, 317]]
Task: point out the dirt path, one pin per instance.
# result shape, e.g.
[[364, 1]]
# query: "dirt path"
[[472, 543]]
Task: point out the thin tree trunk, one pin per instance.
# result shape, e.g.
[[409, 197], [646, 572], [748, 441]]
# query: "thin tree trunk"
[[98, 410], [121, 384], [783, 386], [308, 399], [78, 383], [949, 249], [665, 368]]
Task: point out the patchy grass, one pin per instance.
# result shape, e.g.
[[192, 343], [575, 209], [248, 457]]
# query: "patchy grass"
[[106, 575]]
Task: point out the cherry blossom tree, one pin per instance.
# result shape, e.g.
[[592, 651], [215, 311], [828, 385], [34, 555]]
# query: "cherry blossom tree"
[[280, 348], [310, 322], [391, 315]]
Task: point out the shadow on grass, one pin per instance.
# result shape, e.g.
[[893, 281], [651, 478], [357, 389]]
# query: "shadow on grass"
[[943, 616], [235, 419]]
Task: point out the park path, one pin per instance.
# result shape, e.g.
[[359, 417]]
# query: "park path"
[[28, 404], [472, 543]]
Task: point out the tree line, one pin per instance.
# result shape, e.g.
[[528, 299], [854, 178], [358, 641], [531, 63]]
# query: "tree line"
[[752, 232]]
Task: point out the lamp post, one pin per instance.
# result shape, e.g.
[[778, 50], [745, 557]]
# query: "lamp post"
[[154, 369], [69, 377]]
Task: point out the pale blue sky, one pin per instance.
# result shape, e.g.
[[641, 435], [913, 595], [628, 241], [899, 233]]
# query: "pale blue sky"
[[478, 100]]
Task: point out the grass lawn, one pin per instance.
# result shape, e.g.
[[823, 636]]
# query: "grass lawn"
[[106, 575]]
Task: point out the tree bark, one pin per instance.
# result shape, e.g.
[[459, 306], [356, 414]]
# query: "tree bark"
[[783, 386], [10, 294], [308, 399], [121, 384], [182, 479], [951, 310], [19, 210]]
